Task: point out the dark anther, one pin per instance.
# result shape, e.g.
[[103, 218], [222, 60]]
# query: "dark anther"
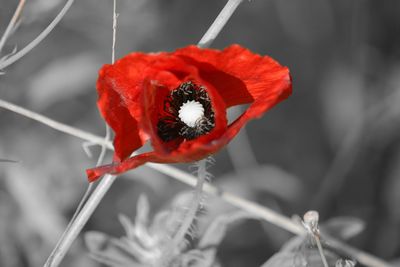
[[170, 126]]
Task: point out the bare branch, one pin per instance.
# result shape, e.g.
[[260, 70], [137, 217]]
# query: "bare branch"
[[12, 24], [12, 59], [219, 23]]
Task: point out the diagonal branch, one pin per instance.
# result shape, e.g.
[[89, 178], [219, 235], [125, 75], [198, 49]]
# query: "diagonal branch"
[[219, 23], [12, 59], [12, 24]]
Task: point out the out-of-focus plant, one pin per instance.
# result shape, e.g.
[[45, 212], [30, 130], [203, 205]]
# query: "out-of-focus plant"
[[304, 250], [150, 244]]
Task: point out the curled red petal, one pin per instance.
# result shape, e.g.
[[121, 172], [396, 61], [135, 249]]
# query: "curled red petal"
[[115, 111], [120, 94], [121, 167], [191, 151], [239, 75]]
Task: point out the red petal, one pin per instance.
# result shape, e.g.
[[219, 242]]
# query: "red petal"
[[262, 104], [128, 164], [132, 91], [114, 110], [191, 151], [239, 75]]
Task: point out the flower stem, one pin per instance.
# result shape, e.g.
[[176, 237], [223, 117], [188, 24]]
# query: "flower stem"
[[55, 124], [194, 205], [219, 23], [38, 39], [321, 251], [90, 200], [73, 231], [12, 24]]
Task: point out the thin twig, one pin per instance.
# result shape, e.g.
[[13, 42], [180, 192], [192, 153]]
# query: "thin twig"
[[11, 24], [219, 23], [81, 219], [321, 251], [82, 214], [114, 35], [114, 27], [8, 161], [12, 59], [194, 205], [55, 124]]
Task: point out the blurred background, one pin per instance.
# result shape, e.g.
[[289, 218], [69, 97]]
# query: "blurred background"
[[333, 146]]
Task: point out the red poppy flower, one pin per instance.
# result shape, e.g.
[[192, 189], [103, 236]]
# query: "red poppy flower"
[[178, 101]]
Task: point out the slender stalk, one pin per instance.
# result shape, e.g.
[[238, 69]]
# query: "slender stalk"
[[81, 219], [12, 24], [38, 39], [194, 205], [114, 31], [90, 199], [8, 161], [219, 23], [321, 251], [262, 212], [114, 35], [55, 124]]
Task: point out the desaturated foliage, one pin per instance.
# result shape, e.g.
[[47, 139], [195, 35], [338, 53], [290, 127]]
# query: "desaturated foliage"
[[333, 146], [152, 244]]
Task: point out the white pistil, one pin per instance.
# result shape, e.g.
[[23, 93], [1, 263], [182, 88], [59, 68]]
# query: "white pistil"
[[190, 112]]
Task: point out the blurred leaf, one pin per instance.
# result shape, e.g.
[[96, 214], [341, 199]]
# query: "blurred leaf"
[[195, 258], [393, 80], [396, 263], [343, 101], [9, 251], [299, 252], [271, 179], [8, 161], [64, 78], [392, 188], [343, 227], [299, 259], [215, 233], [35, 206], [105, 250], [345, 263]]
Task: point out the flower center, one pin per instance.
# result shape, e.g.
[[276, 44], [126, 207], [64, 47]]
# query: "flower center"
[[187, 113], [191, 112]]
